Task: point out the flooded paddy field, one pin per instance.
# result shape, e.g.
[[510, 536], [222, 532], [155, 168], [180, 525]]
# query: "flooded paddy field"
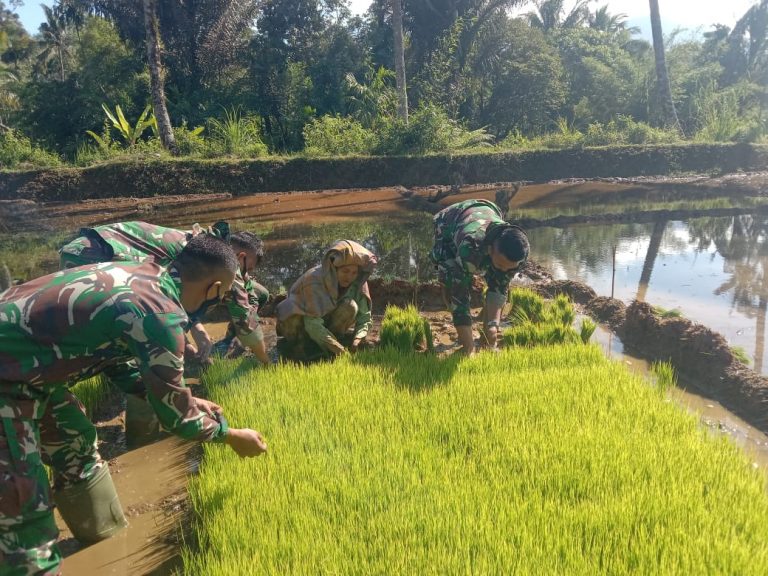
[[706, 265]]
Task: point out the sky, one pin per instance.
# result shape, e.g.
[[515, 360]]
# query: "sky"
[[689, 14]]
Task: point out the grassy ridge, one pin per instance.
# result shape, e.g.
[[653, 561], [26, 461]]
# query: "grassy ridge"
[[534, 461], [146, 178]]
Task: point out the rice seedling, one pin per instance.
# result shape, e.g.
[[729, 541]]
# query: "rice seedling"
[[664, 375], [405, 330], [588, 328], [535, 322], [92, 393], [741, 355], [548, 460], [664, 313]]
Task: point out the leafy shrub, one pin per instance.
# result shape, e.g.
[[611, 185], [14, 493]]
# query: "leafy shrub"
[[337, 136], [236, 135], [429, 130], [17, 150], [189, 142], [619, 132], [405, 330]]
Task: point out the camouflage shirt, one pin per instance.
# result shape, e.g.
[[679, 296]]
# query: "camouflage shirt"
[[461, 251], [68, 326], [140, 241]]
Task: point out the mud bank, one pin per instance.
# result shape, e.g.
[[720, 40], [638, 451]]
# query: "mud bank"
[[143, 178]]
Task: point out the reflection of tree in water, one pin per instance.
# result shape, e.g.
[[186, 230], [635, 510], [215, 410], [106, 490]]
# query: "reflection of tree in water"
[[588, 249], [742, 242], [402, 246]]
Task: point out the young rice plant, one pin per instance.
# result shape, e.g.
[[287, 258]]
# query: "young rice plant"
[[546, 460]]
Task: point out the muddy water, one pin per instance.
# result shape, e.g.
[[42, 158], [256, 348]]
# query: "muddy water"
[[151, 483]]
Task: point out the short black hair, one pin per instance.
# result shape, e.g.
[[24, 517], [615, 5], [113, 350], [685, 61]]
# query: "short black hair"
[[204, 257], [513, 243], [248, 241]]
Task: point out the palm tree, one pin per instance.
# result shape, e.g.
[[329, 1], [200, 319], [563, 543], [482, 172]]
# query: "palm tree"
[[397, 29], [157, 77], [613, 24], [550, 15], [54, 39], [662, 77], [650, 259]]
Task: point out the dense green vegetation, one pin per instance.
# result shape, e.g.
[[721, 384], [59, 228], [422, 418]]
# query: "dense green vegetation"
[[533, 461], [247, 79]]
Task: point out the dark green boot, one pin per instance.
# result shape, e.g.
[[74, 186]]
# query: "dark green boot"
[[91, 508], [141, 424]]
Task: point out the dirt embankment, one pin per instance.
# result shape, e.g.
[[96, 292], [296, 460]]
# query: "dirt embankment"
[[147, 178]]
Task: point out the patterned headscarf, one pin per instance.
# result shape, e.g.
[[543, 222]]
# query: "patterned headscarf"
[[316, 292]]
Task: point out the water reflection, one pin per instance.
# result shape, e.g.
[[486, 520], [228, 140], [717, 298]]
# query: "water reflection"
[[710, 269]]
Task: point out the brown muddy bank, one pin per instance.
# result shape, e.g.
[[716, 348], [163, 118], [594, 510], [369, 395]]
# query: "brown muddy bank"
[[148, 178]]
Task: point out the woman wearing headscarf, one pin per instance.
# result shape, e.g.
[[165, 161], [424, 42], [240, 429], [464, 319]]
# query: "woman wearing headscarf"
[[328, 309]]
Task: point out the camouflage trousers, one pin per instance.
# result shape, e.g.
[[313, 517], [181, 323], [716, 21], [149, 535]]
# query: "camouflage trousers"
[[82, 251], [35, 429], [297, 343]]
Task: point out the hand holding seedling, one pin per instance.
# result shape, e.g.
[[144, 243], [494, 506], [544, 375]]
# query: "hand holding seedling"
[[245, 442]]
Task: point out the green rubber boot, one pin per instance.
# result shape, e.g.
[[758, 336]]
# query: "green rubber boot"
[[141, 424], [91, 508]]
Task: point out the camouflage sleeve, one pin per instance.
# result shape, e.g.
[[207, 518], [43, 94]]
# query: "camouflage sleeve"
[[363, 319], [498, 282], [244, 314], [157, 342], [127, 377]]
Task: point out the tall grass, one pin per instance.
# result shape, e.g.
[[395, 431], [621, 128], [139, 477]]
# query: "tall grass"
[[551, 460]]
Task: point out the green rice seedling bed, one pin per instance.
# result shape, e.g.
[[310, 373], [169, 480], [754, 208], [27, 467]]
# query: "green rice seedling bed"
[[545, 460]]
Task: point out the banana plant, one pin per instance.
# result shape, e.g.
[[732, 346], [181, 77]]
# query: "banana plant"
[[129, 134]]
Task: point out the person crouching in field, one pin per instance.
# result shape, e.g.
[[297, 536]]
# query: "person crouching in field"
[[471, 237], [328, 309], [125, 320], [140, 241]]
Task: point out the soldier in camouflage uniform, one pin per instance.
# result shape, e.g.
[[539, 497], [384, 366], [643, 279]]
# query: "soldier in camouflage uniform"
[[471, 238], [139, 241], [62, 328]]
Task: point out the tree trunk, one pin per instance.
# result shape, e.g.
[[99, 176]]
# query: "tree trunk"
[[397, 29], [662, 77], [650, 259], [760, 334], [157, 78]]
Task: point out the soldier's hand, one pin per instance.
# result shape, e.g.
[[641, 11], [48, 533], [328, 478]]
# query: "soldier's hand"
[[202, 341], [208, 407], [245, 442]]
